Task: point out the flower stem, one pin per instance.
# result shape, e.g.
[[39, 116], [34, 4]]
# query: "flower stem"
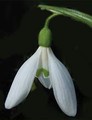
[[67, 12], [45, 35], [49, 18]]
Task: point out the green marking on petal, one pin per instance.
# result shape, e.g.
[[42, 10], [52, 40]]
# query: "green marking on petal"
[[45, 72], [42, 70], [39, 71]]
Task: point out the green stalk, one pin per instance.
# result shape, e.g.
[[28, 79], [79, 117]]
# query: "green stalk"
[[74, 14]]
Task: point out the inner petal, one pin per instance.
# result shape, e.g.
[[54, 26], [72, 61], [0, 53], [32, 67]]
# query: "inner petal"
[[43, 72], [44, 59], [45, 81]]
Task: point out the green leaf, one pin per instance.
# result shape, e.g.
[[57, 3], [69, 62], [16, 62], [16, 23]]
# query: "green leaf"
[[74, 14]]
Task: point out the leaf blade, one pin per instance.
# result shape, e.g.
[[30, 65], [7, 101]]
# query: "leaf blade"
[[74, 14]]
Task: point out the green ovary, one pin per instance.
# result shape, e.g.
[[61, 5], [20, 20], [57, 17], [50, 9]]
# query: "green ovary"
[[42, 70], [45, 37]]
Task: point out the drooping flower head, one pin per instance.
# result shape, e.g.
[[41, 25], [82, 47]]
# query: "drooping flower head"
[[50, 72]]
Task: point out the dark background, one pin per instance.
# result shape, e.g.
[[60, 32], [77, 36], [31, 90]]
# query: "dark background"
[[20, 23]]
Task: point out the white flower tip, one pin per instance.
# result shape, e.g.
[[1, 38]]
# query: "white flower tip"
[[7, 106], [70, 110], [72, 113]]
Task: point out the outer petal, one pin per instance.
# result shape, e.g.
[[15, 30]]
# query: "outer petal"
[[62, 85], [45, 81], [23, 81]]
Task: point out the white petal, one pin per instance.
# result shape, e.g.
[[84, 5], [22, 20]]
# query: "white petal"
[[62, 84], [44, 57], [23, 81], [45, 81]]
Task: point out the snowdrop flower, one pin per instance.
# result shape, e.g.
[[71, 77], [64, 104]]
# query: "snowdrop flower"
[[50, 72]]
